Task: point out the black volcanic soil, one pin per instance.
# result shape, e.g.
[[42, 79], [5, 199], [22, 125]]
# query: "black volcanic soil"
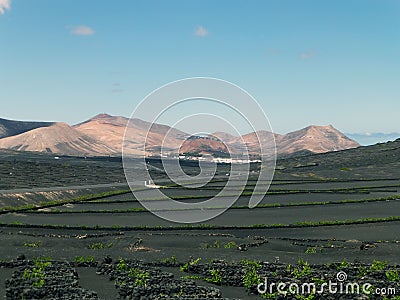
[[232, 217], [154, 252], [162, 262]]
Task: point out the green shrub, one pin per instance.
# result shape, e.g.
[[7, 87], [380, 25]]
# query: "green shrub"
[[83, 259], [393, 275], [193, 277], [311, 250], [96, 246], [32, 244], [139, 275], [342, 265], [344, 169], [121, 265], [248, 262], [185, 267], [378, 266], [37, 273], [216, 244], [303, 269], [230, 245], [250, 277], [173, 260], [362, 271], [216, 277]]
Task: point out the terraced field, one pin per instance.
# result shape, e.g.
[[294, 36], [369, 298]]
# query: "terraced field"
[[307, 221]]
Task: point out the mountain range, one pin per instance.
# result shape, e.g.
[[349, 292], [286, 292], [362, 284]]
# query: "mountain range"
[[103, 135]]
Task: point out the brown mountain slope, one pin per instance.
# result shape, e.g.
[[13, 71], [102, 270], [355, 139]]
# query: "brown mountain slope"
[[312, 139], [203, 145], [103, 135], [250, 141], [11, 127], [59, 138], [316, 139], [224, 136], [254, 139], [110, 130], [106, 129]]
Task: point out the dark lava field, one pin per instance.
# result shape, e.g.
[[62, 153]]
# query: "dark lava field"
[[70, 228]]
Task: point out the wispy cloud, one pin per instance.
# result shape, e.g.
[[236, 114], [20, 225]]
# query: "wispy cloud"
[[4, 5], [274, 52], [82, 30], [307, 55], [201, 31], [117, 88]]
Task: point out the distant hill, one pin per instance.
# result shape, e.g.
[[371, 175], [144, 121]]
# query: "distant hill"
[[312, 139], [58, 138], [11, 127], [104, 134], [315, 139], [204, 146], [110, 130], [105, 128]]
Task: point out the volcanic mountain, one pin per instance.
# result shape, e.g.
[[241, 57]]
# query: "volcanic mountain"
[[314, 139], [204, 145], [110, 130], [58, 138], [10, 127], [105, 128], [104, 135]]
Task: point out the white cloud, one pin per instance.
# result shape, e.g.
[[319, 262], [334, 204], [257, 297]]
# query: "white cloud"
[[4, 5], [201, 31], [82, 30], [307, 55]]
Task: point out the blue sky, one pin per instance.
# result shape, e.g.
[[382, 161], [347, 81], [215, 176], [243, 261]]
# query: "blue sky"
[[306, 62]]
